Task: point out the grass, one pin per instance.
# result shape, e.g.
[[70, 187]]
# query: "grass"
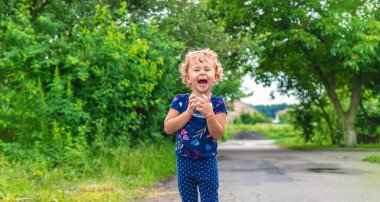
[[297, 143], [288, 137], [369, 146], [271, 131], [375, 158], [122, 175]]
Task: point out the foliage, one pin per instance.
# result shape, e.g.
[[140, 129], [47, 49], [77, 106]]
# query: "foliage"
[[300, 144], [247, 118], [372, 158], [117, 175], [309, 118], [368, 117], [189, 22], [271, 131], [71, 86], [304, 121], [309, 44], [84, 88], [286, 117]]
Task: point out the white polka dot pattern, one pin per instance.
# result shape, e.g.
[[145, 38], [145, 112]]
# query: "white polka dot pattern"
[[198, 173]]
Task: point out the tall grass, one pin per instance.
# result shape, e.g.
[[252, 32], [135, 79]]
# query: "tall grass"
[[120, 175]]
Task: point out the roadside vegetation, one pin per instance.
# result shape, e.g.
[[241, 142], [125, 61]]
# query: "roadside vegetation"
[[118, 175], [271, 131], [372, 158]]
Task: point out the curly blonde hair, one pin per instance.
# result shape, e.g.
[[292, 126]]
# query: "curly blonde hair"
[[203, 55]]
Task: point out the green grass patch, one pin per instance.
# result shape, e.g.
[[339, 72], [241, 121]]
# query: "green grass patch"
[[297, 143], [271, 131], [369, 146], [120, 174], [291, 138], [375, 158]]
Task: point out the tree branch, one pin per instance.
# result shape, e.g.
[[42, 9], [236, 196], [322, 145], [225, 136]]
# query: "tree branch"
[[330, 88]]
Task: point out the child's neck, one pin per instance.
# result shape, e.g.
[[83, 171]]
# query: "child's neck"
[[198, 94]]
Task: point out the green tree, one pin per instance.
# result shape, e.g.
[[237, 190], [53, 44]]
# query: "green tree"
[[333, 43]]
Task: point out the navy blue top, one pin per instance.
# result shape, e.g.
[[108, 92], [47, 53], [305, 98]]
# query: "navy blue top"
[[194, 139]]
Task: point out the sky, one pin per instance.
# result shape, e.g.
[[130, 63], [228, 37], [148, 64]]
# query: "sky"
[[261, 95]]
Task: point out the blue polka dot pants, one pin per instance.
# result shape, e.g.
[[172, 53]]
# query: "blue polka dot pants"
[[202, 173]]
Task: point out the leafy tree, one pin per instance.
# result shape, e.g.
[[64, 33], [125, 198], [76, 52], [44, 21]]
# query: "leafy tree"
[[332, 43]]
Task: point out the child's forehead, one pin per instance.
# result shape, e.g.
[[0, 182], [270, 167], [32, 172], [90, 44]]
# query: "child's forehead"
[[197, 63]]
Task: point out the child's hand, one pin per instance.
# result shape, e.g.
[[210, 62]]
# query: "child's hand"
[[192, 104], [204, 106]]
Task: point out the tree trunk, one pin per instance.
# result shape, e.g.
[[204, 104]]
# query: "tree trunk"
[[348, 126], [346, 118]]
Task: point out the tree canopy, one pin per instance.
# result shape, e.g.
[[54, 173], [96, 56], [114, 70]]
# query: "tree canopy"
[[334, 44]]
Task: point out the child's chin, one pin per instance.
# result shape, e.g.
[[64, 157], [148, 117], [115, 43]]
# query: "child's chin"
[[203, 90]]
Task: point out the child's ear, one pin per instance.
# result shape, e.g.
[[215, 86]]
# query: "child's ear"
[[216, 79], [187, 79]]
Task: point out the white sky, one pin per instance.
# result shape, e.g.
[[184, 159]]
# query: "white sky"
[[261, 95]]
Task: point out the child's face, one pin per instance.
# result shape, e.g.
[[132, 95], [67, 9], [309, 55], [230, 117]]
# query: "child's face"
[[201, 76]]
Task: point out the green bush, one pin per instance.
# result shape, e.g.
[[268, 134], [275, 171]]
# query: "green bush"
[[73, 86], [286, 118]]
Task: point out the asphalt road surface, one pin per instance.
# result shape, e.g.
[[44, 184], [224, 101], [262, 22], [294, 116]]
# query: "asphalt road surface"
[[257, 170]]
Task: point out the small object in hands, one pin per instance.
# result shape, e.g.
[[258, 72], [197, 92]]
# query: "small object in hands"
[[197, 113]]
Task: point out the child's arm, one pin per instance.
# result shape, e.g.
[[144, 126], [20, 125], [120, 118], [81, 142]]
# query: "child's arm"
[[174, 121], [216, 125]]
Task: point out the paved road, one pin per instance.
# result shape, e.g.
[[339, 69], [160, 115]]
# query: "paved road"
[[257, 170]]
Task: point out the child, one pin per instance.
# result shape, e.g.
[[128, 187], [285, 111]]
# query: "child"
[[199, 120]]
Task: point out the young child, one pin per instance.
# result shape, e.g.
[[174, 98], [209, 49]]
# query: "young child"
[[199, 120]]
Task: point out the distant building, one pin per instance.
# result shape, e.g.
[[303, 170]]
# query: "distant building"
[[240, 107]]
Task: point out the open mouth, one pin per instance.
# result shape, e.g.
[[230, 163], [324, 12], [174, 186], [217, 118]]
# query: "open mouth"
[[202, 82]]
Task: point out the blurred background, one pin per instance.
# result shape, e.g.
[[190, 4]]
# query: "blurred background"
[[85, 85]]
